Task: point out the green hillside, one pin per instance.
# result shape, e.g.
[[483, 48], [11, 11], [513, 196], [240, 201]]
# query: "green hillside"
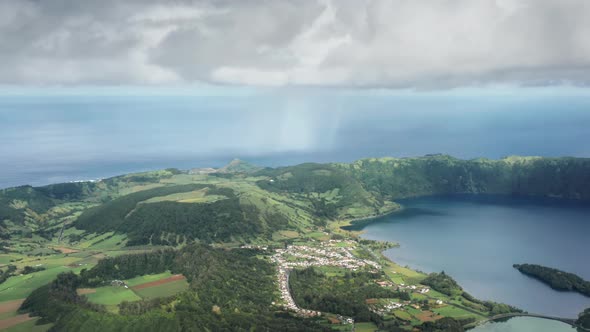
[[111, 215], [395, 178], [245, 202], [239, 166], [222, 230], [209, 305], [331, 192]]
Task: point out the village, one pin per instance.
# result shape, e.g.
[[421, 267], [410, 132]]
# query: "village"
[[336, 254], [328, 253]]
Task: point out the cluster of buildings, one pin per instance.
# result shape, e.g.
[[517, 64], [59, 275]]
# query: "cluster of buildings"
[[403, 287], [119, 283], [289, 303], [385, 283], [345, 320], [413, 288], [338, 254], [327, 254], [385, 308], [381, 308], [257, 247]]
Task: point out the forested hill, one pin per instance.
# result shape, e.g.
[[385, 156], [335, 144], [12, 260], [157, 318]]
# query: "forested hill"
[[396, 178], [556, 279], [230, 290], [243, 202], [208, 216]]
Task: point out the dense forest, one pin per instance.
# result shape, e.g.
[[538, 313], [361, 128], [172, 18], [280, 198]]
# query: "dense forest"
[[443, 325], [18, 202], [171, 223], [15, 201], [327, 191], [313, 182], [229, 290], [443, 283], [7, 273], [555, 278], [174, 223], [344, 295], [396, 178], [374, 181], [128, 266], [584, 319], [111, 215]]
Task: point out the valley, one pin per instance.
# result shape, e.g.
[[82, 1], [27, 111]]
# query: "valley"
[[267, 244]]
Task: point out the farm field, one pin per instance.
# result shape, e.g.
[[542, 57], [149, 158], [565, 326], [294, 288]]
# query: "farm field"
[[8, 307], [29, 326], [147, 279], [454, 312], [365, 327], [163, 281], [19, 287], [135, 289], [143, 287], [14, 321], [112, 295], [167, 288]]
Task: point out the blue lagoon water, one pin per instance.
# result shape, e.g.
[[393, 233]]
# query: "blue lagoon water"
[[477, 239], [525, 324]]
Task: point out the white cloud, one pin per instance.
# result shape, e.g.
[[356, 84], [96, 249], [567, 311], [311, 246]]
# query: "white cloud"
[[160, 13], [367, 43], [246, 76]]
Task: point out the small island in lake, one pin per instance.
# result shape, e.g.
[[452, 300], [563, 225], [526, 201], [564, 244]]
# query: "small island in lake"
[[555, 278]]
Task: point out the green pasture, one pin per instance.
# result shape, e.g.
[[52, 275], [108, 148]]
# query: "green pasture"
[[112, 295], [29, 326], [365, 327], [19, 287]]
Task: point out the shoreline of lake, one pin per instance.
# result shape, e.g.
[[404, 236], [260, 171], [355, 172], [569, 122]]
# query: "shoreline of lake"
[[425, 216]]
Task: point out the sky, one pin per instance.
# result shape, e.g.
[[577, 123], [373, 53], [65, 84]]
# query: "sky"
[[344, 43], [98, 88]]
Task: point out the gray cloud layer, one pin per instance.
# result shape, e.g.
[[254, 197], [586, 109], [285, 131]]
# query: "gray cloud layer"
[[368, 43]]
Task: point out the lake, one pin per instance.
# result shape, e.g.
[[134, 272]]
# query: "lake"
[[525, 324], [476, 239]]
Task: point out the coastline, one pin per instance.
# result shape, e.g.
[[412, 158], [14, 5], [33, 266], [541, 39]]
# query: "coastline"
[[342, 224], [360, 223], [565, 320], [348, 226]]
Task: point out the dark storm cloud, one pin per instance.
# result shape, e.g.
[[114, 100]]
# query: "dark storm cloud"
[[368, 43]]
